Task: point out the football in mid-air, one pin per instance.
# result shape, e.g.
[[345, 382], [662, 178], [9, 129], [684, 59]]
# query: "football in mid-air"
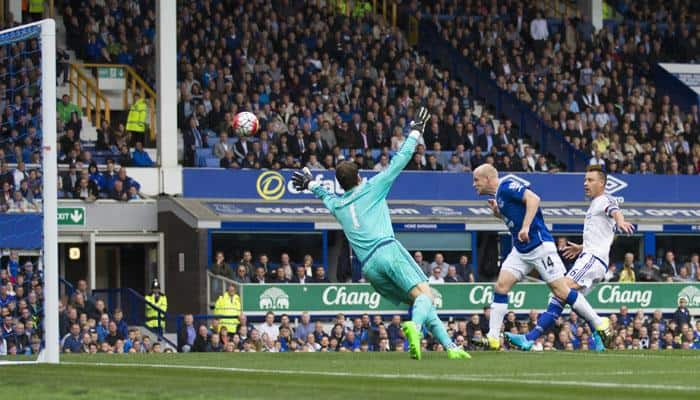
[[245, 124]]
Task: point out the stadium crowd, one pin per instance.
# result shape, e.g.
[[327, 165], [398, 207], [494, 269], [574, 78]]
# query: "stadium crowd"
[[20, 127], [21, 305], [318, 85], [595, 87], [86, 326], [325, 89], [113, 32], [263, 270], [633, 331]]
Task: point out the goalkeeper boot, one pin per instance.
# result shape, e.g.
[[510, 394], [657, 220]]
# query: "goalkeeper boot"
[[487, 342], [413, 336], [599, 346], [605, 332], [519, 341], [458, 354]]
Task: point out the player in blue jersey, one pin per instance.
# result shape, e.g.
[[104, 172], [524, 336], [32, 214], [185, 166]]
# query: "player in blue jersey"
[[363, 213], [533, 248]]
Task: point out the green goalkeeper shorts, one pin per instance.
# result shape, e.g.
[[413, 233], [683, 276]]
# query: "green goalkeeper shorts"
[[393, 273]]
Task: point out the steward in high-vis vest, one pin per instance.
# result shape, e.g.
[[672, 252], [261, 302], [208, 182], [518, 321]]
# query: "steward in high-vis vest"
[[228, 305], [136, 121], [36, 9], [157, 299]]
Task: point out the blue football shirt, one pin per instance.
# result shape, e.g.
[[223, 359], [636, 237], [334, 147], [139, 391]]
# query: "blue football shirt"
[[511, 205]]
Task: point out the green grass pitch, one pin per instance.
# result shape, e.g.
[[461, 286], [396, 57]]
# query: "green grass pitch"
[[505, 375]]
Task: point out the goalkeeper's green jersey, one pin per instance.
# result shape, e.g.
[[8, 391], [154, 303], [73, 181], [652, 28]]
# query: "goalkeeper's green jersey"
[[363, 212]]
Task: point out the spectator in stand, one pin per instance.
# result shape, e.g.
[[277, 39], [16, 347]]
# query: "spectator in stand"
[[304, 328], [247, 262], [452, 276], [86, 189], [436, 276], [439, 261], [260, 275], [695, 266], [669, 269], [139, 157], [320, 275], [300, 275], [264, 262], [627, 274], [186, 335], [201, 342], [464, 269], [682, 315], [242, 275], [127, 181], [683, 274], [649, 272], [229, 161], [109, 176], [286, 265], [424, 265], [118, 192], [64, 109], [72, 342], [20, 204], [220, 266], [268, 327]]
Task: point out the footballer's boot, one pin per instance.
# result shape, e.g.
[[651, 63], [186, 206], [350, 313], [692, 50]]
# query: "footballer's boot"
[[458, 354], [413, 336], [487, 342], [519, 341], [605, 332], [599, 346]]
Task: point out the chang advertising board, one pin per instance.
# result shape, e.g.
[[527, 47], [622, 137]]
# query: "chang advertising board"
[[213, 183], [457, 298]]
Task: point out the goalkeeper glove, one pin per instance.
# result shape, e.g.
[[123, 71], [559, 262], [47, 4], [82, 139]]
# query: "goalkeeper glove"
[[422, 118], [301, 179]]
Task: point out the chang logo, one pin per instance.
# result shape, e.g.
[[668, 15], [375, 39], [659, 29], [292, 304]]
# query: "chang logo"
[[691, 294], [274, 299], [270, 185]]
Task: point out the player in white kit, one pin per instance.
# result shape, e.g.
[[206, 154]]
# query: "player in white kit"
[[602, 217]]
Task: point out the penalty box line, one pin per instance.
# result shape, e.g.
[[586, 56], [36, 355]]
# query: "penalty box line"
[[431, 378]]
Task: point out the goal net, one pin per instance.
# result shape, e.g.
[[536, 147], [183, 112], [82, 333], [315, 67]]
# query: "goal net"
[[28, 175]]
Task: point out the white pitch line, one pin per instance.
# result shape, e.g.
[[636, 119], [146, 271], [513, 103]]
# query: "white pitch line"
[[623, 355], [432, 378]]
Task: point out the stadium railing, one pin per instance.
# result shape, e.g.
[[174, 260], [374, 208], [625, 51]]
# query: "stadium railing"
[[134, 85], [68, 288], [85, 93], [547, 139]]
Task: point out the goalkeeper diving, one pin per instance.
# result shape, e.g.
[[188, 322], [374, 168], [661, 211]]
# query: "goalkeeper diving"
[[363, 213]]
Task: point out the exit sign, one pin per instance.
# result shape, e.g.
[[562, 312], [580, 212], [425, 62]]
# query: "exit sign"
[[71, 216]]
